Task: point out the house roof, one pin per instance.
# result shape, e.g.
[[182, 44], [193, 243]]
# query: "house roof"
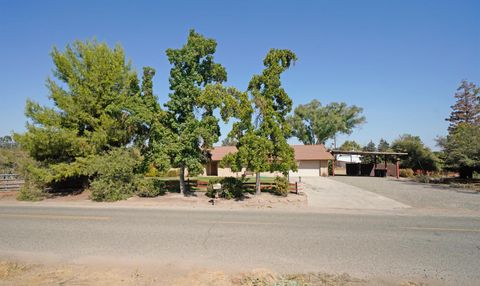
[[302, 152], [219, 152]]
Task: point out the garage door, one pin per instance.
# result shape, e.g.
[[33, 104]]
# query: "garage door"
[[307, 169]]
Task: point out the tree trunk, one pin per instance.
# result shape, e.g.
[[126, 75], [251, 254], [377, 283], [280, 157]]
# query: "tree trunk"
[[257, 183], [183, 187]]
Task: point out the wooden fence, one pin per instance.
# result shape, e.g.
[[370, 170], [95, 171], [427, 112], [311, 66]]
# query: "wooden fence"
[[10, 182], [294, 187]]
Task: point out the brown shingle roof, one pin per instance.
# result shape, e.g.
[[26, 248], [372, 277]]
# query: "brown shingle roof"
[[302, 152], [219, 152], [311, 152]]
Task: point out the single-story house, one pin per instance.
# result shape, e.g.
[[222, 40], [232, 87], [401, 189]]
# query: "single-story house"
[[312, 160]]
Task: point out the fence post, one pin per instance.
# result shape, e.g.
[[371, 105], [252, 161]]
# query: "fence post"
[[296, 188]]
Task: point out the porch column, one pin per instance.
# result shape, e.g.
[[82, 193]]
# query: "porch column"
[[397, 166]]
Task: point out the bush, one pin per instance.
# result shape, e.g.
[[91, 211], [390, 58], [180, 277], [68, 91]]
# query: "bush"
[[281, 186], [170, 173], [107, 190], [211, 192], [231, 188], [152, 171], [114, 175], [422, 178], [150, 188], [30, 192], [406, 173]]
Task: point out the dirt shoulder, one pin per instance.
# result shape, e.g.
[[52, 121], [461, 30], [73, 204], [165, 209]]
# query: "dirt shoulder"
[[17, 273], [174, 200]]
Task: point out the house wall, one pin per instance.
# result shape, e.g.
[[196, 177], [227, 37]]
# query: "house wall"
[[223, 172], [324, 168], [306, 168]]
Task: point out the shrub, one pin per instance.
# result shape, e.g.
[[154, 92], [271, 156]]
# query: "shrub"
[[150, 188], [406, 173], [105, 189], [232, 187], [422, 178], [114, 175], [152, 171], [170, 173], [281, 186], [211, 192], [30, 192]]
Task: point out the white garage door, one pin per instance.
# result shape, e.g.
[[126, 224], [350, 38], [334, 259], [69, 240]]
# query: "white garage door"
[[307, 169]]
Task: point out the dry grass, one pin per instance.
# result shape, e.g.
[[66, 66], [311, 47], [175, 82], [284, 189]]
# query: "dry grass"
[[14, 273], [10, 269], [308, 279]]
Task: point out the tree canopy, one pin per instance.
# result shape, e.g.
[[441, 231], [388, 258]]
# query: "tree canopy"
[[262, 140], [97, 107], [195, 82], [314, 124], [420, 157], [462, 149], [467, 107], [383, 145], [350, 145]]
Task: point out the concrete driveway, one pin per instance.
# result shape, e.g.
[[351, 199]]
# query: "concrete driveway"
[[326, 193]]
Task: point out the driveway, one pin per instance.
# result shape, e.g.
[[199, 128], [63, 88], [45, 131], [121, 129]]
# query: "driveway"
[[427, 197], [325, 193]]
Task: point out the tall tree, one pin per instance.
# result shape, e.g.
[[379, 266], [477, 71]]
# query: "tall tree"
[[419, 157], [262, 143], [152, 137], [370, 147], [92, 113], [383, 145], [350, 145], [229, 142], [193, 127], [314, 124], [467, 107]]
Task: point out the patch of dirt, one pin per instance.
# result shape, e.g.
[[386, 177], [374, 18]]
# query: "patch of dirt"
[[15, 273], [194, 200], [263, 201], [8, 195]]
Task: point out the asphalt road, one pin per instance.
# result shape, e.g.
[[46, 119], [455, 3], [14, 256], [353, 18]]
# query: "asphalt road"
[[440, 248]]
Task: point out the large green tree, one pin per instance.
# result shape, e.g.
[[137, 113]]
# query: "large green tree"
[[383, 145], [97, 107], [419, 157], [370, 147], [195, 82], [462, 149], [350, 145], [262, 131], [314, 124]]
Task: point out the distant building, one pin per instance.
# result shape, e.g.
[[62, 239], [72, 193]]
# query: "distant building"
[[343, 159]]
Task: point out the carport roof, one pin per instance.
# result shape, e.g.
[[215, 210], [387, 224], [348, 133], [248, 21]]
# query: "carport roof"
[[302, 152], [335, 152]]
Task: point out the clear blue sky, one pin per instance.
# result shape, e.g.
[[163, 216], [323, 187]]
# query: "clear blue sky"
[[399, 60]]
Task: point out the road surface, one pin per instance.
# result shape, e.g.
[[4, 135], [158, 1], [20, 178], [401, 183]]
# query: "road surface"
[[440, 248]]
